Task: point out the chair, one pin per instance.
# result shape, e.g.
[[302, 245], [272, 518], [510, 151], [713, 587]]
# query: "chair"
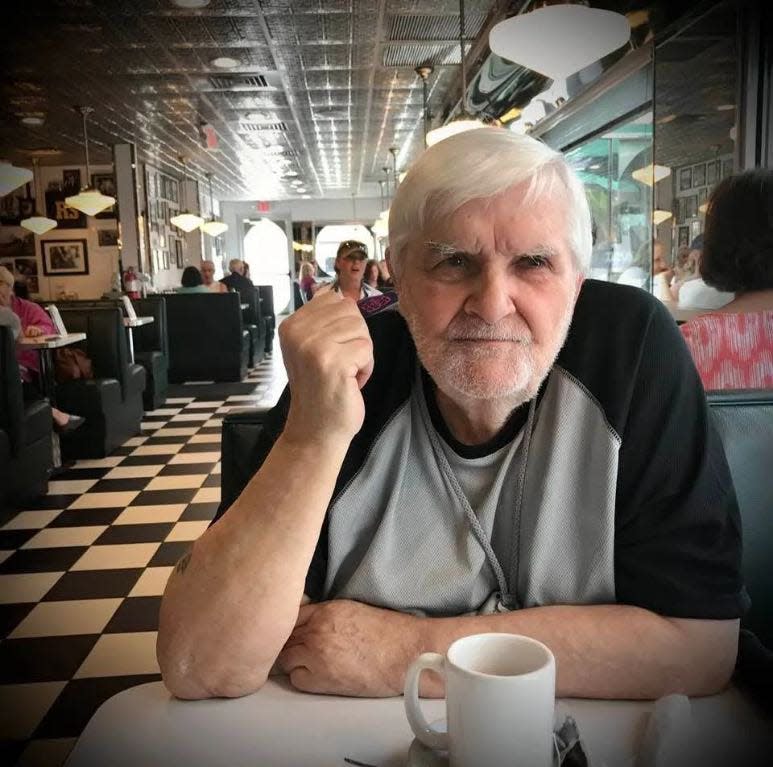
[[744, 420], [111, 402], [298, 297], [26, 456], [151, 349], [267, 310], [255, 325], [207, 338]]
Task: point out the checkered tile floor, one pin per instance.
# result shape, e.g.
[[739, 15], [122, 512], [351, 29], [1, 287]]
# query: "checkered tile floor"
[[82, 572]]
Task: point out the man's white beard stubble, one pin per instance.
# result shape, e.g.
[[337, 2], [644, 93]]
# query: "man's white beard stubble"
[[459, 368]]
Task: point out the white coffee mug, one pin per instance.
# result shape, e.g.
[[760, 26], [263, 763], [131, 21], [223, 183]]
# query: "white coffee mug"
[[500, 699]]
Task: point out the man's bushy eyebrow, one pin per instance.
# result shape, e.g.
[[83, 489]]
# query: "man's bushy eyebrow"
[[442, 248]]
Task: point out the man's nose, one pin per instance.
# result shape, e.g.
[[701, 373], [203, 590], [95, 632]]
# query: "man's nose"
[[491, 298]]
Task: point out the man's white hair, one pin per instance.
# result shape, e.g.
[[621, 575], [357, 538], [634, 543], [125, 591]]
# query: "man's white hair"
[[480, 164], [235, 265], [6, 276]]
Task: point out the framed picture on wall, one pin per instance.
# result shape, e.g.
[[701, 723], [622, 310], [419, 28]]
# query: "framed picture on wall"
[[682, 208], [702, 195], [65, 217], [695, 229], [107, 238], [71, 180], [65, 257], [683, 236], [699, 174], [685, 179], [178, 253], [712, 172], [727, 167], [105, 183]]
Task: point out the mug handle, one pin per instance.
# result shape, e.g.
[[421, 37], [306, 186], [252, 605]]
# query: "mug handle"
[[421, 729]]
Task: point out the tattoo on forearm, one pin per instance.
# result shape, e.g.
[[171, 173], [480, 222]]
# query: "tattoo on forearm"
[[182, 565]]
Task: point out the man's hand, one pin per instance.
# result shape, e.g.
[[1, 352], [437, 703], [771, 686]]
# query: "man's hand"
[[328, 354], [349, 648], [32, 331]]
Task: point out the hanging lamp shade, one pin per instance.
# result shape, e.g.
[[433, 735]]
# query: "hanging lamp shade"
[[651, 174], [659, 216], [186, 221], [559, 40], [90, 201], [12, 177], [214, 228], [38, 224]]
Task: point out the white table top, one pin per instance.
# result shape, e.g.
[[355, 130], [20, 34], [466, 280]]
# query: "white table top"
[[135, 322], [51, 342], [280, 726]]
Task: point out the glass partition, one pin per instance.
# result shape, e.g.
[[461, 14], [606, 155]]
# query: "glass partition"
[[615, 168]]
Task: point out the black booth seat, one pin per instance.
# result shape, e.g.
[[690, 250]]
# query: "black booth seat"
[[25, 434], [266, 293], [151, 349], [112, 401], [255, 325], [207, 338]]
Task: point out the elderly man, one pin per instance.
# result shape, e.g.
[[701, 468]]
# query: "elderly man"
[[517, 450], [208, 278], [236, 279]]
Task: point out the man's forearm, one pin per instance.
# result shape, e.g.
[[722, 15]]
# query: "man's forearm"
[[608, 651], [230, 605]]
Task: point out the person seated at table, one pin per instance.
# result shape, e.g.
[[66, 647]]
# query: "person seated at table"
[[511, 452], [208, 278], [306, 282], [236, 279], [695, 293], [733, 346], [33, 322], [350, 271], [192, 282]]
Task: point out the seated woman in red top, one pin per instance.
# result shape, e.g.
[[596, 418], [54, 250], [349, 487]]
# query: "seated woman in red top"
[[733, 346]]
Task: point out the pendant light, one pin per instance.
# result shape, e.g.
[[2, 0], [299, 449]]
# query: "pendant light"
[[559, 40], [462, 122], [213, 227], [89, 201], [186, 220], [651, 174], [424, 72], [12, 177], [37, 223]]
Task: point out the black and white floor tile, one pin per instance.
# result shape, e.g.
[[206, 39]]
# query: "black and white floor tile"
[[82, 571]]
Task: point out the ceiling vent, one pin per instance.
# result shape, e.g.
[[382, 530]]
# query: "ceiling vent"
[[237, 82], [253, 127]]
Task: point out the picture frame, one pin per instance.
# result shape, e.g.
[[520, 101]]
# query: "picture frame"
[[65, 257], [695, 229], [107, 238], [692, 206], [71, 180], [105, 183], [712, 172], [682, 208], [178, 252], [685, 179], [10, 210], [702, 196], [683, 236], [65, 216], [699, 175], [727, 167]]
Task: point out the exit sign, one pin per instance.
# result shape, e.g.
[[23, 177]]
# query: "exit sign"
[[263, 207]]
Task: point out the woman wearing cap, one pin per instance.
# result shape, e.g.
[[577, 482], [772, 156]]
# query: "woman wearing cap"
[[33, 321], [350, 271]]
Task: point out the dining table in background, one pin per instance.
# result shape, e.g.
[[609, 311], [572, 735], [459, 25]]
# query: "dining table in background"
[[279, 726], [44, 346], [134, 322]]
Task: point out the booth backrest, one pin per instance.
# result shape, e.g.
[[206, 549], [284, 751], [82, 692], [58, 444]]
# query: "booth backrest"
[[11, 397], [252, 314], [267, 305], [106, 343], [744, 420], [205, 336], [155, 336]]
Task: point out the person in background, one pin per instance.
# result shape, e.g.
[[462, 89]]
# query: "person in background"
[[637, 273], [236, 279], [696, 293], [208, 278], [662, 274], [733, 346], [192, 282], [384, 278], [372, 274], [350, 270], [306, 279], [33, 321]]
